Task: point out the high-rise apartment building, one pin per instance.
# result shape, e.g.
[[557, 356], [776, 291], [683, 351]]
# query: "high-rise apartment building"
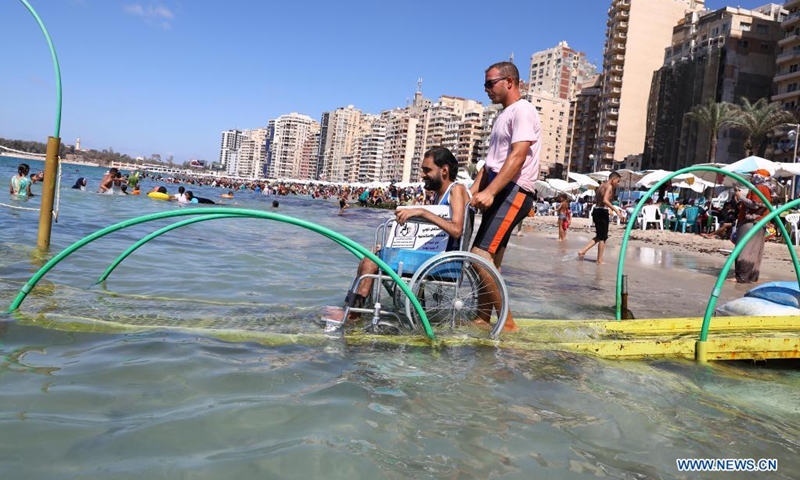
[[307, 170], [455, 123], [286, 150], [251, 154], [338, 141], [722, 55], [638, 31], [582, 126], [372, 145], [787, 77], [400, 145], [554, 114], [231, 140], [559, 71]]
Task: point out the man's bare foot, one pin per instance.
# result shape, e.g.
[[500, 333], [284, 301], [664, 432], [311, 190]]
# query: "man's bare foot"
[[510, 326], [337, 314], [601, 263]]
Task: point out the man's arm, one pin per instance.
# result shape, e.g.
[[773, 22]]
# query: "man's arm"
[[476, 185], [454, 226], [607, 200], [511, 167]]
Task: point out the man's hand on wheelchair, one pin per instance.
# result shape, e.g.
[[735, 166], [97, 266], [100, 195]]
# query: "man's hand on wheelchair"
[[402, 215], [482, 200]]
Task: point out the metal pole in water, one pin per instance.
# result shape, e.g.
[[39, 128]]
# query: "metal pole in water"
[[624, 303], [48, 192]]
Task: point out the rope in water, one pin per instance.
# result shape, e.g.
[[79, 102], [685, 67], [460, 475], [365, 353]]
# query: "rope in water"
[[19, 208]]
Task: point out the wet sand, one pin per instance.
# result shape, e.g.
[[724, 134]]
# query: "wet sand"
[[669, 274]]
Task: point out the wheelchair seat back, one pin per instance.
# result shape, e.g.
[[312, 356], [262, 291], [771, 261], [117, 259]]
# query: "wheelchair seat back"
[[407, 247]]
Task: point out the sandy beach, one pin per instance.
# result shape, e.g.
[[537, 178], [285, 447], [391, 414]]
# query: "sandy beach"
[[776, 263]]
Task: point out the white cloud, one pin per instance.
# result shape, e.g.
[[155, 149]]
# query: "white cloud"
[[153, 14]]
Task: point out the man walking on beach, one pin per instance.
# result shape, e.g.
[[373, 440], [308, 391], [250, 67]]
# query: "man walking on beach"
[[601, 218], [504, 189]]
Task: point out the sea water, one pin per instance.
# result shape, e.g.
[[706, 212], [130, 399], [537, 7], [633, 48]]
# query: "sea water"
[[175, 401]]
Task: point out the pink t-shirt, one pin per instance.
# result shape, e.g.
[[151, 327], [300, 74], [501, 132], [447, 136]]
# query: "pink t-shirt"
[[519, 122]]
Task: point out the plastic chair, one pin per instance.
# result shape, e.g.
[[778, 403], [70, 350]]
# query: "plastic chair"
[[689, 217], [651, 214], [794, 219]]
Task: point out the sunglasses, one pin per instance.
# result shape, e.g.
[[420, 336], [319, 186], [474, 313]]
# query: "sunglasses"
[[491, 83]]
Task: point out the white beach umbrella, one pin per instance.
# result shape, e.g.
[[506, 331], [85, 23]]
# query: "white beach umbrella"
[[601, 176], [544, 189], [656, 176], [583, 180], [752, 163], [784, 170], [563, 186]]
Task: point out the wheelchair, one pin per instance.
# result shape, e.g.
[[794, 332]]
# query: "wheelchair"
[[447, 284]]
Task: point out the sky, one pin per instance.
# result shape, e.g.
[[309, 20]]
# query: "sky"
[[168, 76]]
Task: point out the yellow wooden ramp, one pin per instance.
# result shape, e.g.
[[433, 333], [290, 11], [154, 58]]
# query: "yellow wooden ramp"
[[730, 338]]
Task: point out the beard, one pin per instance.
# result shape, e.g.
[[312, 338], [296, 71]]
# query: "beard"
[[433, 184]]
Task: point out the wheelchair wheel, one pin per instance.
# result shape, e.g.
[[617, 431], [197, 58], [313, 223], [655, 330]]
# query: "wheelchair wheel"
[[450, 286]]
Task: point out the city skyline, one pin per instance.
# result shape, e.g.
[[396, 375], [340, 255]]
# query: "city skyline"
[[167, 78]]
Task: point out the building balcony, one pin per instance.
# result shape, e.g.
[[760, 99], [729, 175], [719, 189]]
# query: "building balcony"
[[611, 123], [787, 57], [791, 20], [789, 41], [608, 146], [623, 4], [621, 36], [790, 4], [786, 76], [615, 80], [615, 92], [623, 26], [613, 102], [617, 47], [617, 59], [611, 135], [785, 96]]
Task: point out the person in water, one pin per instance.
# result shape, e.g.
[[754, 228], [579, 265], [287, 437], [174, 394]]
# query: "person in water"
[[439, 170], [80, 184], [192, 199], [20, 183], [110, 179], [181, 196], [227, 195]]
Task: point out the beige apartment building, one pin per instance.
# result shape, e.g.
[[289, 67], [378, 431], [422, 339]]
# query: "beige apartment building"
[[454, 123], [251, 155], [638, 31], [286, 149], [338, 141], [554, 115], [787, 78], [559, 71], [372, 141]]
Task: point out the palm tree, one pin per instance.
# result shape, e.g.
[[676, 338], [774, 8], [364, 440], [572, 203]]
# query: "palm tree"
[[713, 117], [756, 120]]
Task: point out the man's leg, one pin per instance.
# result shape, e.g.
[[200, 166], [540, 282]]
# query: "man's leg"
[[601, 247], [489, 298], [588, 247]]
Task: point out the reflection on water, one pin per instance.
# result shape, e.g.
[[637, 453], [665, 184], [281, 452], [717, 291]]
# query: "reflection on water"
[[171, 404]]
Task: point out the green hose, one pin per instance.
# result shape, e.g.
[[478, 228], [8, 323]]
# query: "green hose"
[[338, 238], [759, 226], [55, 65], [629, 228], [169, 228]]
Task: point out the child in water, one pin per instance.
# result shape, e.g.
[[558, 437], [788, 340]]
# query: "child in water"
[[20, 183]]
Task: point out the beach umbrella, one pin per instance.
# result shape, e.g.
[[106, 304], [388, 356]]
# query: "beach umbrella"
[[601, 176], [784, 170], [544, 189], [583, 180], [656, 176], [751, 164], [563, 186]]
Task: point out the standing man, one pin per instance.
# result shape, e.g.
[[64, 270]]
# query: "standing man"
[[601, 218], [504, 189]]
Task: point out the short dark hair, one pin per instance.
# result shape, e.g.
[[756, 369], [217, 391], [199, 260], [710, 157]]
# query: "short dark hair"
[[162, 189], [506, 69], [614, 175], [181, 189], [275, 203], [442, 156]]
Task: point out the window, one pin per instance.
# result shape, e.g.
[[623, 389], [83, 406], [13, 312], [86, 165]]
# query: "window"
[[765, 46], [743, 43], [745, 27], [724, 27], [762, 29], [715, 32], [793, 68], [792, 87]]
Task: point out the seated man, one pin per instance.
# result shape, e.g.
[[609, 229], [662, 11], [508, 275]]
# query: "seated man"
[[439, 170], [727, 218]]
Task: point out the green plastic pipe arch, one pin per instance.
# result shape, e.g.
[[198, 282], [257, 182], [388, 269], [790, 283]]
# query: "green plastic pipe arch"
[[174, 226], [55, 65], [760, 225], [338, 238], [696, 168]]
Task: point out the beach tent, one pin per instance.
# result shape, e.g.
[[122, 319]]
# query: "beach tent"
[[752, 163]]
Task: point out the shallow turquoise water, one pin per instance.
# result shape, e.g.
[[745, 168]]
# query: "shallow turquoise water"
[[182, 404]]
